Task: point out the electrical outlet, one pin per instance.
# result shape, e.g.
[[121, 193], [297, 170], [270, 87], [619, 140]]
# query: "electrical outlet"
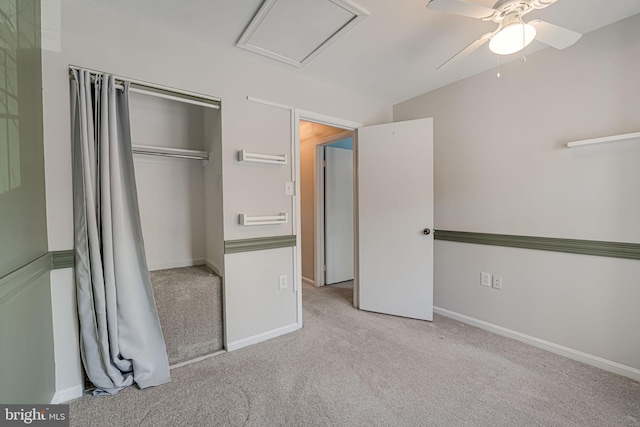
[[485, 279], [497, 282], [282, 281]]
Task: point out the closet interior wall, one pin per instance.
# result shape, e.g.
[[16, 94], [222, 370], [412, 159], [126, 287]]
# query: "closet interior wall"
[[180, 202], [170, 190]]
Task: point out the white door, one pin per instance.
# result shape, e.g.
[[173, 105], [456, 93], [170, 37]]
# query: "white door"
[[395, 209], [338, 214]]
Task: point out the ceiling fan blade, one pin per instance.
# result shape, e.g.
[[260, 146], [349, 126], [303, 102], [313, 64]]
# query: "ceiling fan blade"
[[468, 50], [462, 7], [553, 35]]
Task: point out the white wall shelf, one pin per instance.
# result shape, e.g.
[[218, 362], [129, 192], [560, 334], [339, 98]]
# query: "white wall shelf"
[[278, 159], [614, 138], [181, 153], [245, 219]]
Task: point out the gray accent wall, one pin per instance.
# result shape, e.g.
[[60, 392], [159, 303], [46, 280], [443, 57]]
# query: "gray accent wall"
[[23, 232], [26, 354], [26, 331], [502, 167]]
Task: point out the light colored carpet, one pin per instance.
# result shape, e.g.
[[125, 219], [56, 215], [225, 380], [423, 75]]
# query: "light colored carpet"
[[352, 368], [343, 285], [189, 302]]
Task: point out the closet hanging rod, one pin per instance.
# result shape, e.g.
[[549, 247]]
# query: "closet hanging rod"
[[160, 91], [180, 153], [171, 97]]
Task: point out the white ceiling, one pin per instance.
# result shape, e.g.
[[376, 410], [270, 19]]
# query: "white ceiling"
[[295, 31], [391, 55]]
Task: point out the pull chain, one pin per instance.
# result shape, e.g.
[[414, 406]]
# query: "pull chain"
[[498, 75]]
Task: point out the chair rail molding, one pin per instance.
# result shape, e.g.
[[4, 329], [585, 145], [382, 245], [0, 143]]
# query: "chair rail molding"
[[572, 246]]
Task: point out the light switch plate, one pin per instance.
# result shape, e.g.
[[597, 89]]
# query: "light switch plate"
[[289, 188], [282, 281], [485, 279]]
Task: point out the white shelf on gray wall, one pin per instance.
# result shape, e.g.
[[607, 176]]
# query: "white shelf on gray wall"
[[278, 159], [245, 219], [614, 138]]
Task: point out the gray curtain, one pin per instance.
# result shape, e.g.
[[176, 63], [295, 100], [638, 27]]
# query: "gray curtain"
[[120, 336]]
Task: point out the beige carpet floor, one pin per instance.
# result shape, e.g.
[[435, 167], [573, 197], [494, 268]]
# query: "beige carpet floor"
[[189, 302], [352, 368], [343, 285]]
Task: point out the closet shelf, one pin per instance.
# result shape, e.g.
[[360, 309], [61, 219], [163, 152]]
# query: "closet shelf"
[[181, 153], [634, 135], [245, 156], [245, 219]]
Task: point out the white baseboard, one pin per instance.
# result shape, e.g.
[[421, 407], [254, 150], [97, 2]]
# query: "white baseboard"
[[262, 337], [308, 281], [67, 394], [214, 268], [176, 264], [197, 359], [589, 359]]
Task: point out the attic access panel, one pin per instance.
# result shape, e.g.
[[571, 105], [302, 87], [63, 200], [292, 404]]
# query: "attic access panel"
[[295, 31]]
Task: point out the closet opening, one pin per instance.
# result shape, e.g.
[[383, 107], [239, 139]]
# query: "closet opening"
[[327, 205], [177, 159]]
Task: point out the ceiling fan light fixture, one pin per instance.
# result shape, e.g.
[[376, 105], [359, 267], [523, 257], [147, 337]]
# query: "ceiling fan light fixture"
[[510, 38]]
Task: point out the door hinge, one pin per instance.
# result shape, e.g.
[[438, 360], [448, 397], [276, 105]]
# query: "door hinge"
[[324, 163], [324, 267]]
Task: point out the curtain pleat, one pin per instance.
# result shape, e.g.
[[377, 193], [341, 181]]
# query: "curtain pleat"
[[120, 334]]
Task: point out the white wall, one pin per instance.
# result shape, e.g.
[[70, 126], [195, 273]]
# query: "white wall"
[[256, 188], [130, 49], [171, 201], [501, 166], [171, 191], [259, 287], [69, 374], [166, 123]]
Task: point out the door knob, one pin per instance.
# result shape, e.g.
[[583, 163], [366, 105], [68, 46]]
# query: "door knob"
[[426, 231]]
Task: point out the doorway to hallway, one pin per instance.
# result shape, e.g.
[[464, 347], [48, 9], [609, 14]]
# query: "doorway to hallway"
[[327, 204]]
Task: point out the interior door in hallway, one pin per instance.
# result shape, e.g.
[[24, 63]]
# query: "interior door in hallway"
[[395, 218], [338, 215]]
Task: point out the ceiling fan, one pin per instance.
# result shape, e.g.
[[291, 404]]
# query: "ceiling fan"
[[512, 33]]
